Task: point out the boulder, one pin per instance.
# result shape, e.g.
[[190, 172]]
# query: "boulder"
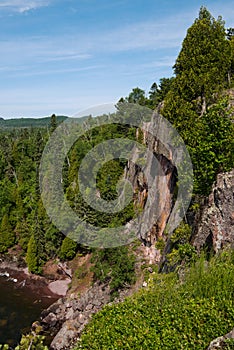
[[221, 342]]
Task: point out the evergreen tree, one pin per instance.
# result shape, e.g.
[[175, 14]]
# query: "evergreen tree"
[[158, 93], [137, 95], [7, 236], [53, 122], [193, 104], [202, 65], [32, 256], [68, 249]]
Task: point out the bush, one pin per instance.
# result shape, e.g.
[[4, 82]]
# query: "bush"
[[170, 314], [68, 249], [116, 265]]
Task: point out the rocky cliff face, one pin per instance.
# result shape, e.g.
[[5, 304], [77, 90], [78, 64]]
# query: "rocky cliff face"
[[214, 224], [215, 228], [165, 182]]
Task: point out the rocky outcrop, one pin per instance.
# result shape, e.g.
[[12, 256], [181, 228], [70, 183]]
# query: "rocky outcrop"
[[66, 318], [222, 342], [160, 171], [215, 228]]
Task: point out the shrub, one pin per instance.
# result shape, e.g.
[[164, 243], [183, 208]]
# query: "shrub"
[[116, 265], [170, 314]]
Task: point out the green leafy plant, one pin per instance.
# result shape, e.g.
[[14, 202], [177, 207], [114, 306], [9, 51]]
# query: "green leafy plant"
[[114, 265], [171, 314]]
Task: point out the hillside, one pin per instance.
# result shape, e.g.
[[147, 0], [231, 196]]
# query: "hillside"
[[19, 123], [28, 122]]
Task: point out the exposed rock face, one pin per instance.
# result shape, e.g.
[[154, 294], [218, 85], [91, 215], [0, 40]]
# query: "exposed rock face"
[[164, 182], [216, 223], [66, 318], [221, 342]]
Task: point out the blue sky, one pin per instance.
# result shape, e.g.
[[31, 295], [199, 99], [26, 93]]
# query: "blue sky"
[[62, 56]]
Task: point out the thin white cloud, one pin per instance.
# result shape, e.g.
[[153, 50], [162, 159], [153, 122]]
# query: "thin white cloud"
[[22, 6], [39, 50], [40, 72], [147, 35]]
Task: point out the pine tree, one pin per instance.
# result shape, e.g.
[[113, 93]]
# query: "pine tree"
[[203, 63], [194, 103], [32, 256], [53, 122], [7, 236], [68, 249]]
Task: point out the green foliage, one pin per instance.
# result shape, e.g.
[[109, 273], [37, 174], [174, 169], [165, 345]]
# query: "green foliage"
[[32, 342], [193, 104], [68, 249], [170, 314], [181, 234], [107, 178], [160, 244], [213, 150], [158, 93], [230, 37], [182, 252], [28, 122], [7, 236], [229, 344], [32, 256], [137, 95], [115, 265], [53, 122], [204, 60]]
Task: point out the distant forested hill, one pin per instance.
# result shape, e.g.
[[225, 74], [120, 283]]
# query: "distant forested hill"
[[29, 122], [34, 122]]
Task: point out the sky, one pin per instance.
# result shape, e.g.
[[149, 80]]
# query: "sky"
[[64, 56]]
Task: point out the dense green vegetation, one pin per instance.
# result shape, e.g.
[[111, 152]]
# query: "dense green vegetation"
[[172, 313], [24, 223], [30, 341], [195, 103], [116, 266], [22, 216]]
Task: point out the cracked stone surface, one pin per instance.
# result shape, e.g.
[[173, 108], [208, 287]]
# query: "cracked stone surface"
[[216, 226]]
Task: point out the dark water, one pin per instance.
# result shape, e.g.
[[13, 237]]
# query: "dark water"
[[20, 306]]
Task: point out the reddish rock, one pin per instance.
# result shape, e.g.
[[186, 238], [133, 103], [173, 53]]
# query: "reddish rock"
[[216, 223]]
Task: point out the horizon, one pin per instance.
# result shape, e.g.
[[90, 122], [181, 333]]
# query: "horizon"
[[59, 57]]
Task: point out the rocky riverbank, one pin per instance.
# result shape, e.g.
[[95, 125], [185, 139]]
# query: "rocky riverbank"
[[52, 285], [67, 317]]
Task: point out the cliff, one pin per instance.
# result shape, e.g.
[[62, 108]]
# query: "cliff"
[[215, 221]]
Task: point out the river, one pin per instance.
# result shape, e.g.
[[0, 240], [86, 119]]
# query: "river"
[[21, 302]]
